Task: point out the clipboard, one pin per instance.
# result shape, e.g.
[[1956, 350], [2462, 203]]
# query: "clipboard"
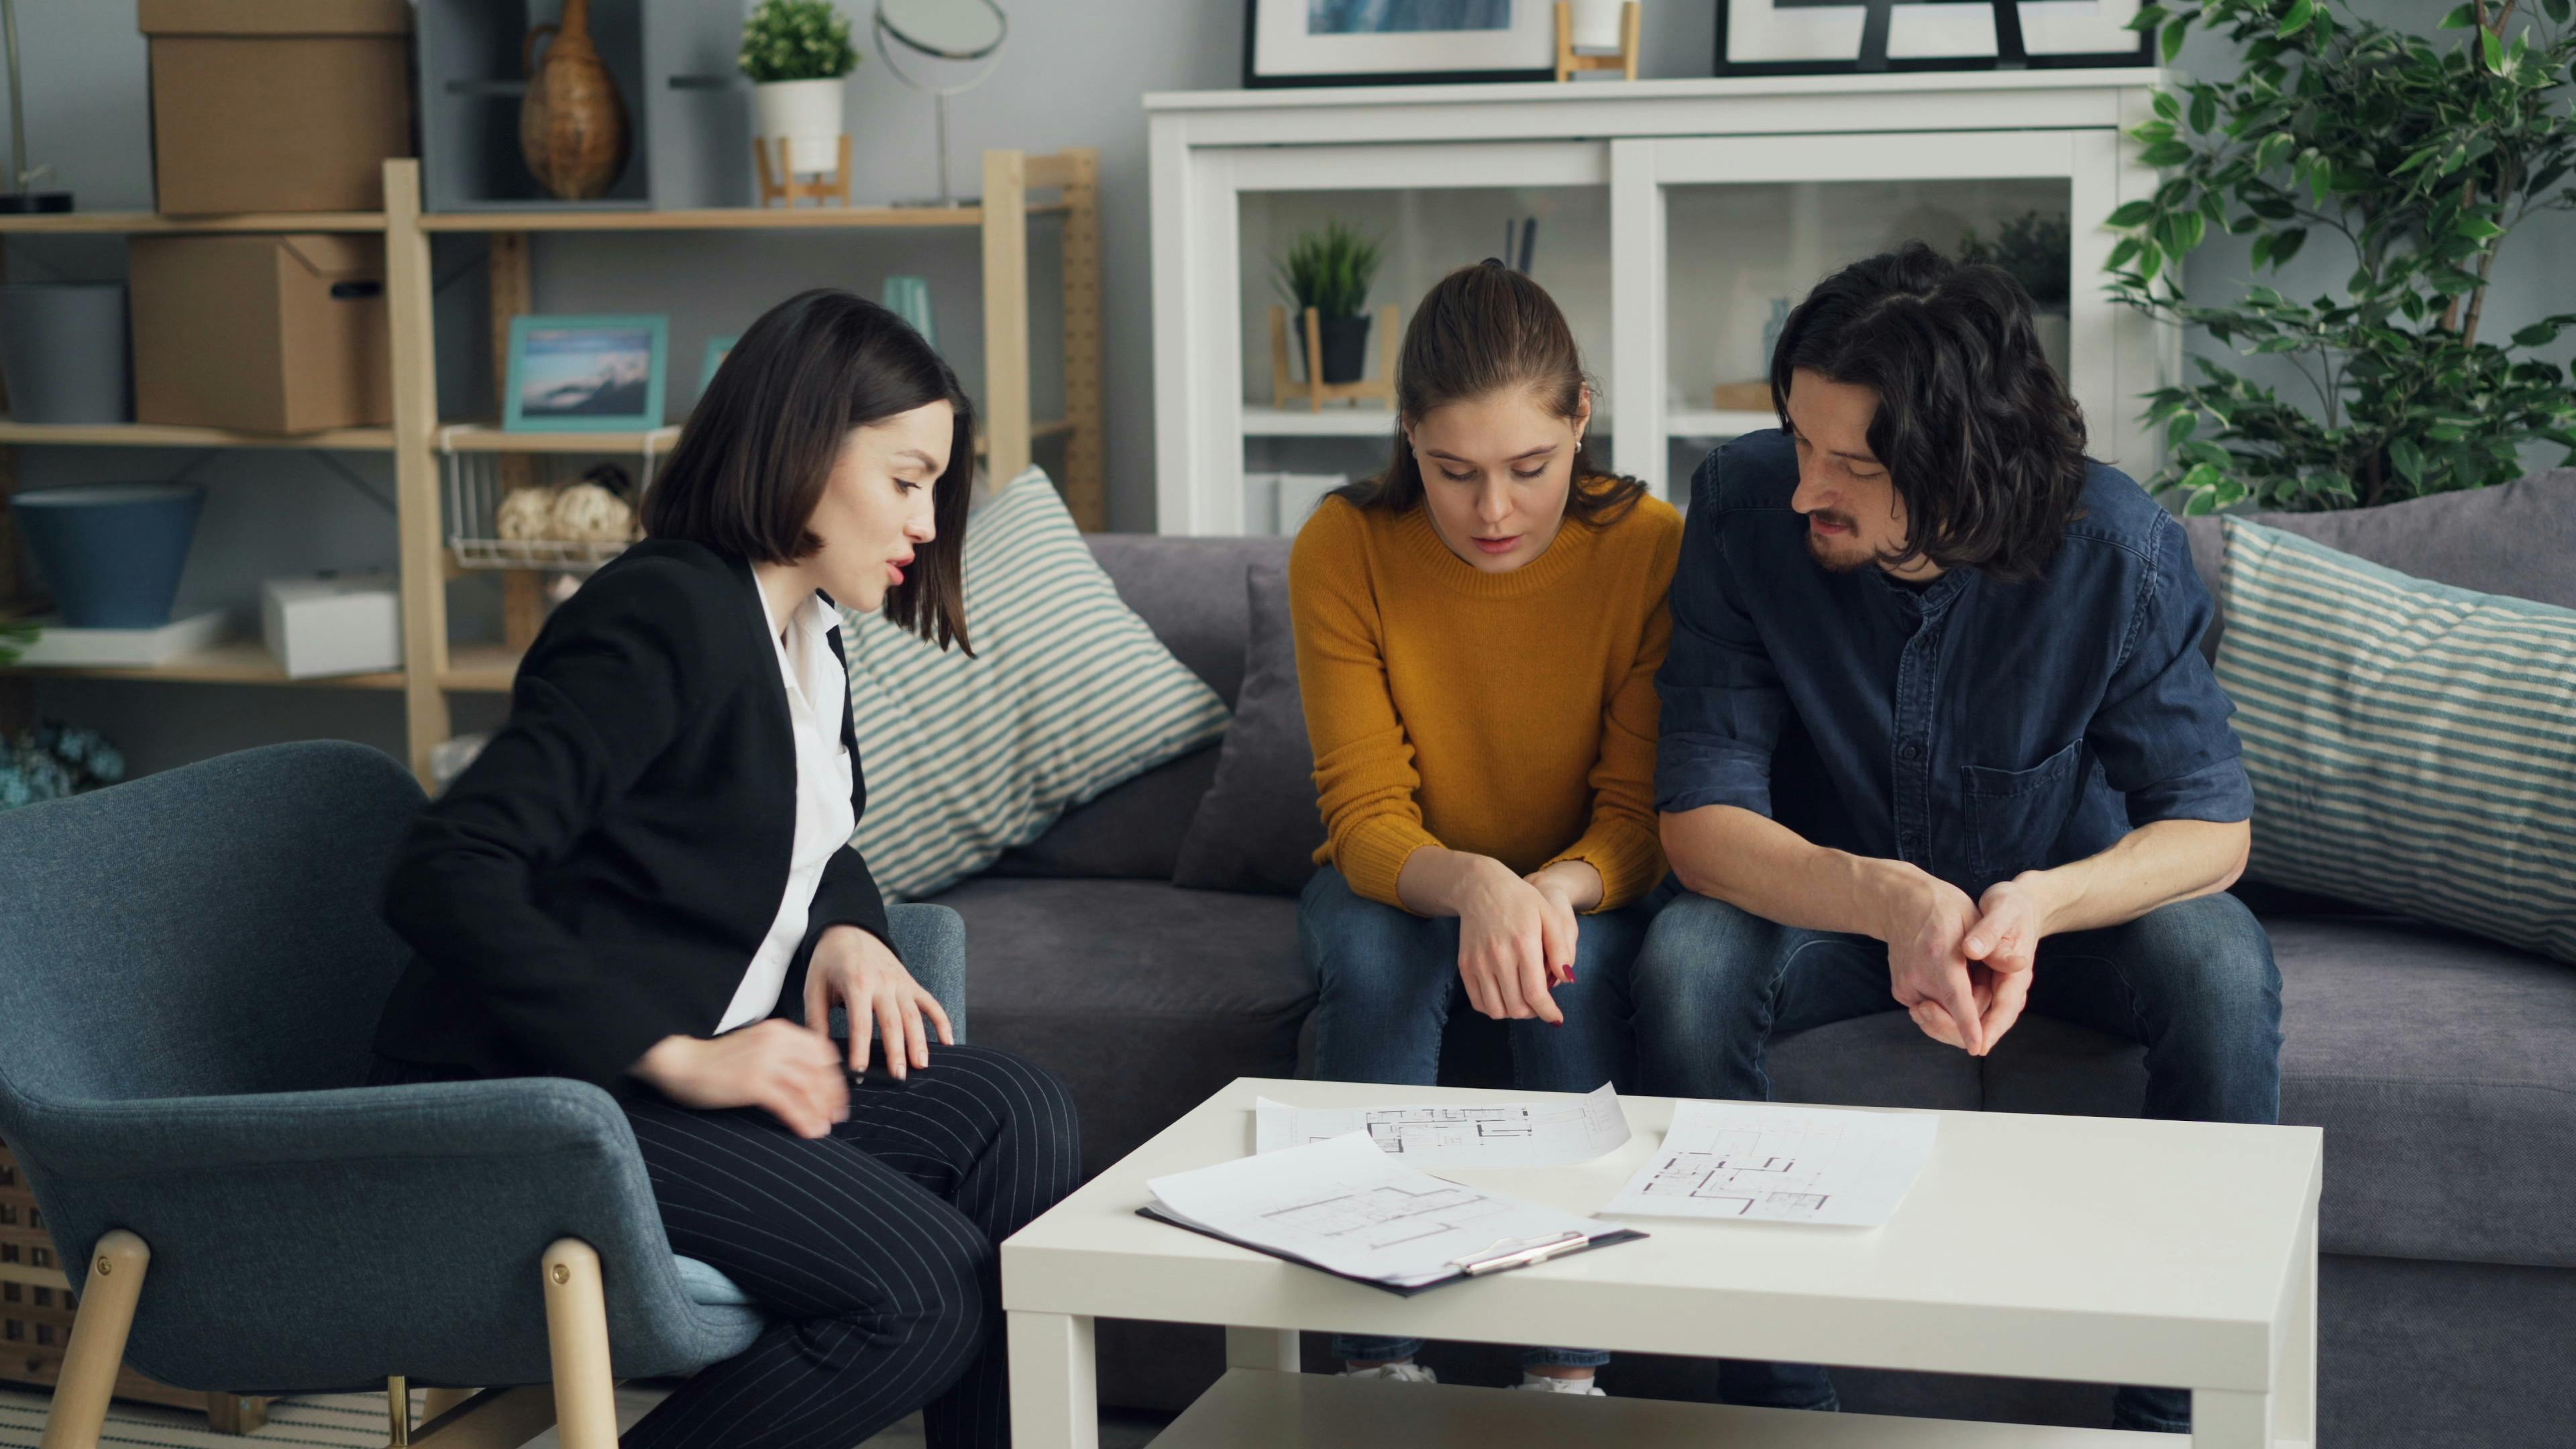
[[1500, 1257]]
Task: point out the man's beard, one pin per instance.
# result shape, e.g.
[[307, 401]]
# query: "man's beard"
[[1831, 562]]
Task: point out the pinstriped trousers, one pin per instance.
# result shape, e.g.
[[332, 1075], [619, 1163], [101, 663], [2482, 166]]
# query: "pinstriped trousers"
[[876, 1249]]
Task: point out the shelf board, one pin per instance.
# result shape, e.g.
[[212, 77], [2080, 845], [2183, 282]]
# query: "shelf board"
[[1337, 421], [163, 435], [479, 668], [239, 661], [1710, 423], [488, 438], [723, 218], [153, 221]]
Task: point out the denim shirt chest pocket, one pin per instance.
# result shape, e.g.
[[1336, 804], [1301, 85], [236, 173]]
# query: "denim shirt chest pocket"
[[2016, 816]]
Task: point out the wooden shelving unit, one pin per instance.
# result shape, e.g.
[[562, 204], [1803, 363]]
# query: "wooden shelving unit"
[[436, 668]]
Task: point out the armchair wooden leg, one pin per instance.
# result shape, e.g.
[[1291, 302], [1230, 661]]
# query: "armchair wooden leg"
[[88, 1381], [577, 1333]]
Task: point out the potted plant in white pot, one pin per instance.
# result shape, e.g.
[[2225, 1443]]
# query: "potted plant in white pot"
[[1331, 271], [796, 53]]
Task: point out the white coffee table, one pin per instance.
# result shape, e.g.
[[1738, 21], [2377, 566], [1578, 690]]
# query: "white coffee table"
[[2074, 1248]]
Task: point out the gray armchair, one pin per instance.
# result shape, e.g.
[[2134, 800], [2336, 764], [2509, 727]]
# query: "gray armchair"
[[191, 968]]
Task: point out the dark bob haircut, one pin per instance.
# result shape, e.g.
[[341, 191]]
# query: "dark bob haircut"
[[1977, 431], [1482, 330], [752, 462]]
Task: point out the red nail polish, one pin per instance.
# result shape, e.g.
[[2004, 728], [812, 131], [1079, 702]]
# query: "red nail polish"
[[1569, 976]]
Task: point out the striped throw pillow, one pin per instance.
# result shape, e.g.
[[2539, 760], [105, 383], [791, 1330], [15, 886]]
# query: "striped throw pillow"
[[1068, 694], [2409, 742]]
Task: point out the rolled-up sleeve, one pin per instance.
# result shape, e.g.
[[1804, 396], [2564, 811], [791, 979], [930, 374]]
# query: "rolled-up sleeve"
[[1722, 700], [2162, 733]]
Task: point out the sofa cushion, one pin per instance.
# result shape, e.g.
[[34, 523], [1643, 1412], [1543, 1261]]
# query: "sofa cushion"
[[2406, 739], [1258, 828], [1068, 694], [2513, 539], [1189, 591], [1132, 832], [1143, 997]]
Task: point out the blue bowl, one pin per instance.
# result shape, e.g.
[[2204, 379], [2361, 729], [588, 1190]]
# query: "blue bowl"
[[111, 551]]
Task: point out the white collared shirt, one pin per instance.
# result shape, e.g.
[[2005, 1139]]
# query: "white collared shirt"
[[816, 689]]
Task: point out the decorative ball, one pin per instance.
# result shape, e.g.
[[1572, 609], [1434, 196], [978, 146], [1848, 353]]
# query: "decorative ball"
[[527, 513], [588, 513]]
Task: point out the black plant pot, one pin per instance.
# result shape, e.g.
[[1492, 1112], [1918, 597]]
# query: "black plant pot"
[[1345, 348]]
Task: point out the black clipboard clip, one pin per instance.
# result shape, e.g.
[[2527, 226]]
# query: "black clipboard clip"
[[1520, 1253]]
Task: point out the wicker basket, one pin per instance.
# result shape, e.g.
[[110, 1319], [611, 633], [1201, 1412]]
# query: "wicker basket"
[[36, 1306]]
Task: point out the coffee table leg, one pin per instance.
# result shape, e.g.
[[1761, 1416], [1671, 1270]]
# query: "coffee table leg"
[[1055, 1388], [1262, 1348], [2295, 1404]]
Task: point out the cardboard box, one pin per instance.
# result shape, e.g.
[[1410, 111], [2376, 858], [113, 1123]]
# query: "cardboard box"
[[332, 624], [277, 105], [263, 334]]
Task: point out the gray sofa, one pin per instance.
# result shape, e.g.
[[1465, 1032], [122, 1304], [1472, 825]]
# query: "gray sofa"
[[2442, 1066]]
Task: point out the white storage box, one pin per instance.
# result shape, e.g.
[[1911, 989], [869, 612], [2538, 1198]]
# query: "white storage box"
[[333, 624]]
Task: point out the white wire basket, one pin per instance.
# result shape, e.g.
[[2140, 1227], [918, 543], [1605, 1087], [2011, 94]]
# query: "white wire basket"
[[471, 459]]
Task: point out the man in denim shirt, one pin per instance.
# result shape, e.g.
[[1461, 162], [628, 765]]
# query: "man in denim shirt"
[[1938, 735]]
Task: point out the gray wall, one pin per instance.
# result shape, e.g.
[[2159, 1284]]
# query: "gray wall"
[[1071, 75]]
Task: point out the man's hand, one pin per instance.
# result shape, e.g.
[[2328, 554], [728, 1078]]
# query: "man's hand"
[[1513, 936], [2011, 919], [856, 969], [1927, 967], [787, 1070]]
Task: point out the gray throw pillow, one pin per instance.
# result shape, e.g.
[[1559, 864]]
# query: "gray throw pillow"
[[1259, 828], [1131, 833], [2514, 539]]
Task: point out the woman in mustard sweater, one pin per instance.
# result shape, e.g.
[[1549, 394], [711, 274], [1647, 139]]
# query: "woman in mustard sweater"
[[1478, 630]]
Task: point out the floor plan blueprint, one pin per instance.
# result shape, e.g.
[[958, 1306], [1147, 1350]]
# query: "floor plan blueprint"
[[1781, 1164], [1483, 1134]]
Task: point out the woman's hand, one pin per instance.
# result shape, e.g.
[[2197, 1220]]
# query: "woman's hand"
[[857, 970], [787, 1070], [1513, 937]]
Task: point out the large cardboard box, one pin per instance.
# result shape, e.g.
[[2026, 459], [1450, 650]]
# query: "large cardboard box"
[[265, 334], [277, 105]]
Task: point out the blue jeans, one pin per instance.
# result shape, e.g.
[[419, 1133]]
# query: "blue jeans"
[[1386, 981], [2193, 982]]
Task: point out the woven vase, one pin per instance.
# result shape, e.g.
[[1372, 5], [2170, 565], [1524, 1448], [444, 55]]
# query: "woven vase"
[[572, 126]]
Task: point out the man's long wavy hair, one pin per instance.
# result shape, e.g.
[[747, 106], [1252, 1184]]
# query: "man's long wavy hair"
[[1977, 431], [1482, 330]]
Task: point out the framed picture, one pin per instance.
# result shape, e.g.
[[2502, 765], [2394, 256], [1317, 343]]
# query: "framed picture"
[[1397, 42], [1810, 37], [586, 374], [717, 347]]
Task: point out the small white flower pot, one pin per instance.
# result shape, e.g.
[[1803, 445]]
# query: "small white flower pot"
[[808, 114], [1596, 24]]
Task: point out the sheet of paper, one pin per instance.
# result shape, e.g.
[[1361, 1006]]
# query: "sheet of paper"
[[1498, 1134], [1344, 1205], [1781, 1164]]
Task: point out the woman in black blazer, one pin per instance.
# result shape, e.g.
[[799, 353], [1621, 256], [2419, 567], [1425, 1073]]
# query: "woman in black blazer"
[[645, 881]]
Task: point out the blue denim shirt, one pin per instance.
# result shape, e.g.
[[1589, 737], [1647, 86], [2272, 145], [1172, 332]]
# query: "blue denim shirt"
[[1975, 728]]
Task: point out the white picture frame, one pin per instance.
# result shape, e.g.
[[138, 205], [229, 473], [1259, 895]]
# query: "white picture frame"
[[1759, 37], [1283, 45]]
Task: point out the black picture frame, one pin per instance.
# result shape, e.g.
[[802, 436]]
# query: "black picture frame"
[[1253, 79], [2142, 53]]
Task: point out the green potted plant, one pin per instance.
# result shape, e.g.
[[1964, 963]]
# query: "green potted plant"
[[1331, 271], [2035, 248], [15, 636], [796, 52], [2418, 156]]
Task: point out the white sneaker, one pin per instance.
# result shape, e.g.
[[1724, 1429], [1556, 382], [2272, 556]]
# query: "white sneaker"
[[1542, 1384], [1402, 1373]]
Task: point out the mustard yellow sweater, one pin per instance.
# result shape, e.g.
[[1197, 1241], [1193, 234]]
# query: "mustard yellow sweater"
[[1510, 715]]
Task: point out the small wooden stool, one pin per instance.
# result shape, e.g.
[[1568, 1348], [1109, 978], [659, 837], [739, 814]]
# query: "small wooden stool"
[[1314, 391], [780, 186], [1625, 60]]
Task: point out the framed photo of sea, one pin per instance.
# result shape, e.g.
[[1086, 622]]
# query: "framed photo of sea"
[[1397, 42], [589, 374], [1808, 37]]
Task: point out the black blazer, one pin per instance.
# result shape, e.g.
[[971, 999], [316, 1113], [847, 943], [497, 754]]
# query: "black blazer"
[[602, 874]]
